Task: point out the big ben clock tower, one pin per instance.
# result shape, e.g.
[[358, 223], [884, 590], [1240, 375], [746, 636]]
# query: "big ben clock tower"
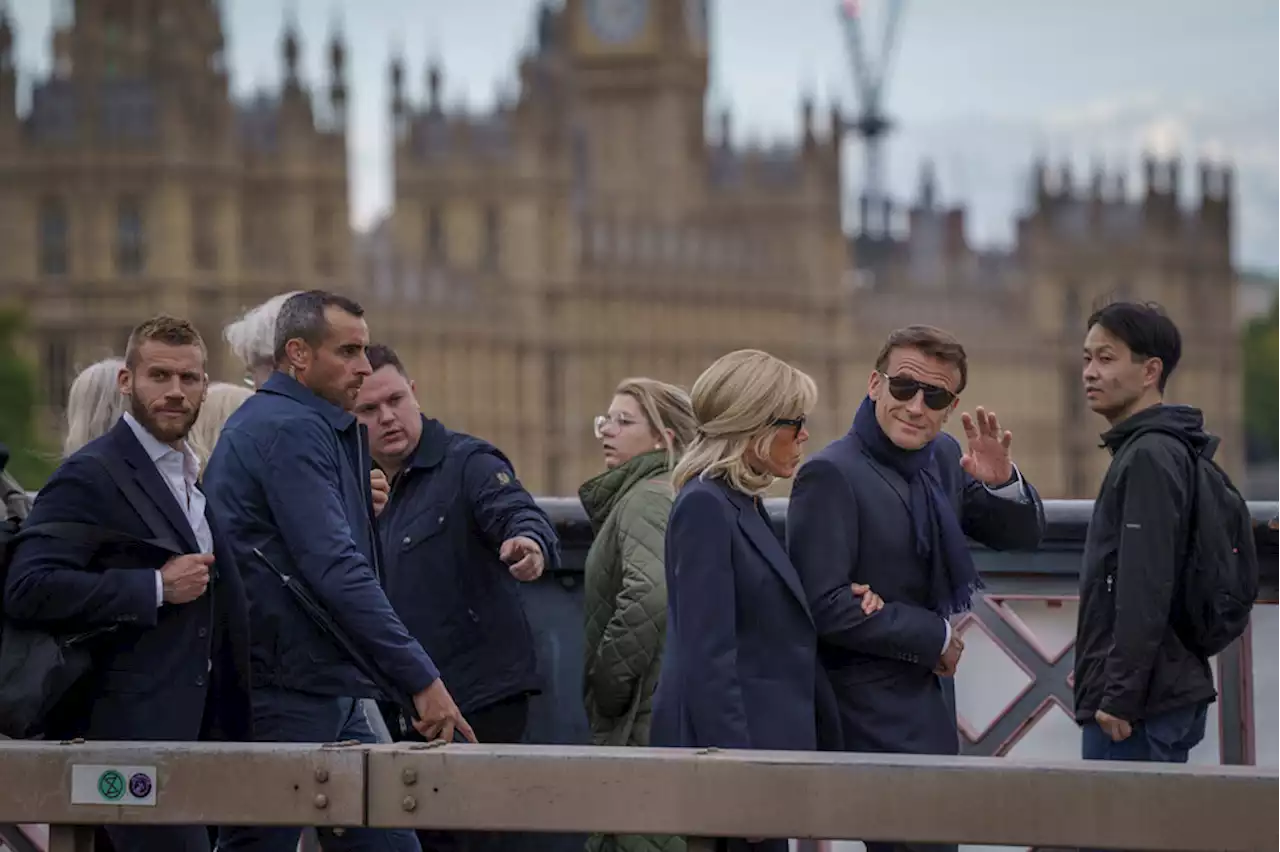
[[640, 79]]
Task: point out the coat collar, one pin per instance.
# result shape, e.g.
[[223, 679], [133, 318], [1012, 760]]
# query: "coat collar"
[[284, 385], [602, 492], [891, 477], [753, 520], [148, 478], [432, 445]]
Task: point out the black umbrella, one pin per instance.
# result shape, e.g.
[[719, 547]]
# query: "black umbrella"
[[321, 618]]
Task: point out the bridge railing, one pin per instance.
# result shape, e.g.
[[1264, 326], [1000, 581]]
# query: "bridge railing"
[[704, 793], [1046, 577], [1016, 674]]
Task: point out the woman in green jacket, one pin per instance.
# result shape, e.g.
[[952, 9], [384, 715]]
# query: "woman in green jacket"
[[647, 427]]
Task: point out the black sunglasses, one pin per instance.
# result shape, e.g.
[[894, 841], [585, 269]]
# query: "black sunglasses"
[[904, 389], [797, 422]]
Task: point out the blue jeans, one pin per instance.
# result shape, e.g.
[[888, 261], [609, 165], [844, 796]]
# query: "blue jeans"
[[285, 716], [1166, 738]]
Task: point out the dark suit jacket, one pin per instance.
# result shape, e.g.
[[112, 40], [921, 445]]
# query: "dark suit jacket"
[[740, 665], [175, 672], [848, 521]]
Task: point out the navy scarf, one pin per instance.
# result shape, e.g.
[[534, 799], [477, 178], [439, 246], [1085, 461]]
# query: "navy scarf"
[[939, 539]]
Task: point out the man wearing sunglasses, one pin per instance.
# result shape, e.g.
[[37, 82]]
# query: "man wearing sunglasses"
[[889, 505]]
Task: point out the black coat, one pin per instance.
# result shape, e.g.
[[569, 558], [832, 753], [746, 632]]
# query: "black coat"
[[1129, 661], [452, 506], [173, 672], [848, 521]]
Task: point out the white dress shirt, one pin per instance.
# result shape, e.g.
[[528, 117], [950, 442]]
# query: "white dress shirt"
[[180, 470]]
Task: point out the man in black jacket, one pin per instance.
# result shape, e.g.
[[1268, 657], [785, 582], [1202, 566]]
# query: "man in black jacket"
[[1140, 694], [459, 534]]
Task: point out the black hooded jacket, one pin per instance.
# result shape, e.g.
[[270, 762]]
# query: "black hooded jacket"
[[1129, 662]]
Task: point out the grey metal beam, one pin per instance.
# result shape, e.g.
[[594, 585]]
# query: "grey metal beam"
[[819, 795], [194, 783]]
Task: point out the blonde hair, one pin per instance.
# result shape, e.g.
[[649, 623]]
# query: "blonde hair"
[[94, 404], [252, 338], [736, 402], [665, 407], [220, 402]]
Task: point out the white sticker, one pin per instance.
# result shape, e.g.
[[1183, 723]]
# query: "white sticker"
[[92, 784]]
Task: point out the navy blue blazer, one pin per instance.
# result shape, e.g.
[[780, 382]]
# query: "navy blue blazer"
[[175, 672], [740, 665], [848, 521]]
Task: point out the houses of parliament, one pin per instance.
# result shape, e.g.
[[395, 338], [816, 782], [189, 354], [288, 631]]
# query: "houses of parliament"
[[594, 225]]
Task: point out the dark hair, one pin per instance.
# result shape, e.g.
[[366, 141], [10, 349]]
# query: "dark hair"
[[381, 355], [1146, 329], [163, 328], [933, 342], [302, 316]]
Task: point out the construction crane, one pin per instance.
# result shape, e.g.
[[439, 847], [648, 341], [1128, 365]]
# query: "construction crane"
[[871, 124]]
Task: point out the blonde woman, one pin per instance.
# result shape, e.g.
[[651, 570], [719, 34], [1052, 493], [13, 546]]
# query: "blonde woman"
[[94, 404], [220, 402], [740, 668], [648, 425]]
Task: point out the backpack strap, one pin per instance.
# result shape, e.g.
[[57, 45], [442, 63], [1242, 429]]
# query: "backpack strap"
[[90, 534]]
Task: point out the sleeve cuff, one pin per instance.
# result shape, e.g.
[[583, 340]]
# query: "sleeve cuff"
[[946, 643], [1012, 490], [159, 590]]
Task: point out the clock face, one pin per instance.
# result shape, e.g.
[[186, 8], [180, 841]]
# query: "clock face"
[[695, 20], [617, 21]]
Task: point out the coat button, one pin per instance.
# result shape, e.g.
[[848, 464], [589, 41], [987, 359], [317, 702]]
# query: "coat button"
[[202, 632], [406, 540], [200, 681]]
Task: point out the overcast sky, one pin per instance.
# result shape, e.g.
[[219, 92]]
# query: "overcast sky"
[[980, 86]]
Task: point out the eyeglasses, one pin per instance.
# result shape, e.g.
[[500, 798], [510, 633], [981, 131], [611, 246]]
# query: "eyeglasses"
[[904, 389], [617, 421], [797, 422]]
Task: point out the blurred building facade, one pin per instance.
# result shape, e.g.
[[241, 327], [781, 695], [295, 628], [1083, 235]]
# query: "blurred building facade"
[[135, 183], [592, 226]]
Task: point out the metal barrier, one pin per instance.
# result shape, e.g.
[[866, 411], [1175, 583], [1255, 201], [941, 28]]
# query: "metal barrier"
[[654, 791], [556, 717]]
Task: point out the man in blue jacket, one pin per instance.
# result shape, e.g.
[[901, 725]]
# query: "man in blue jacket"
[[458, 534], [289, 479]]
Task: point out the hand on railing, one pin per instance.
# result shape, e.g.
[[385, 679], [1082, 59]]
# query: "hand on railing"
[[439, 716]]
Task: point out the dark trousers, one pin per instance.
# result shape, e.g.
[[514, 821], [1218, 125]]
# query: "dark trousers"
[[1166, 738], [503, 722], [285, 716], [155, 838]]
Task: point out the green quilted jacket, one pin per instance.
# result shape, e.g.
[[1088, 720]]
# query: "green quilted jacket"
[[625, 604]]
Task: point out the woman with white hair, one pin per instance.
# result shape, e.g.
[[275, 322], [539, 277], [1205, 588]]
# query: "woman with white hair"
[[220, 402], [740, 667], [252, 338], [94, 404]]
